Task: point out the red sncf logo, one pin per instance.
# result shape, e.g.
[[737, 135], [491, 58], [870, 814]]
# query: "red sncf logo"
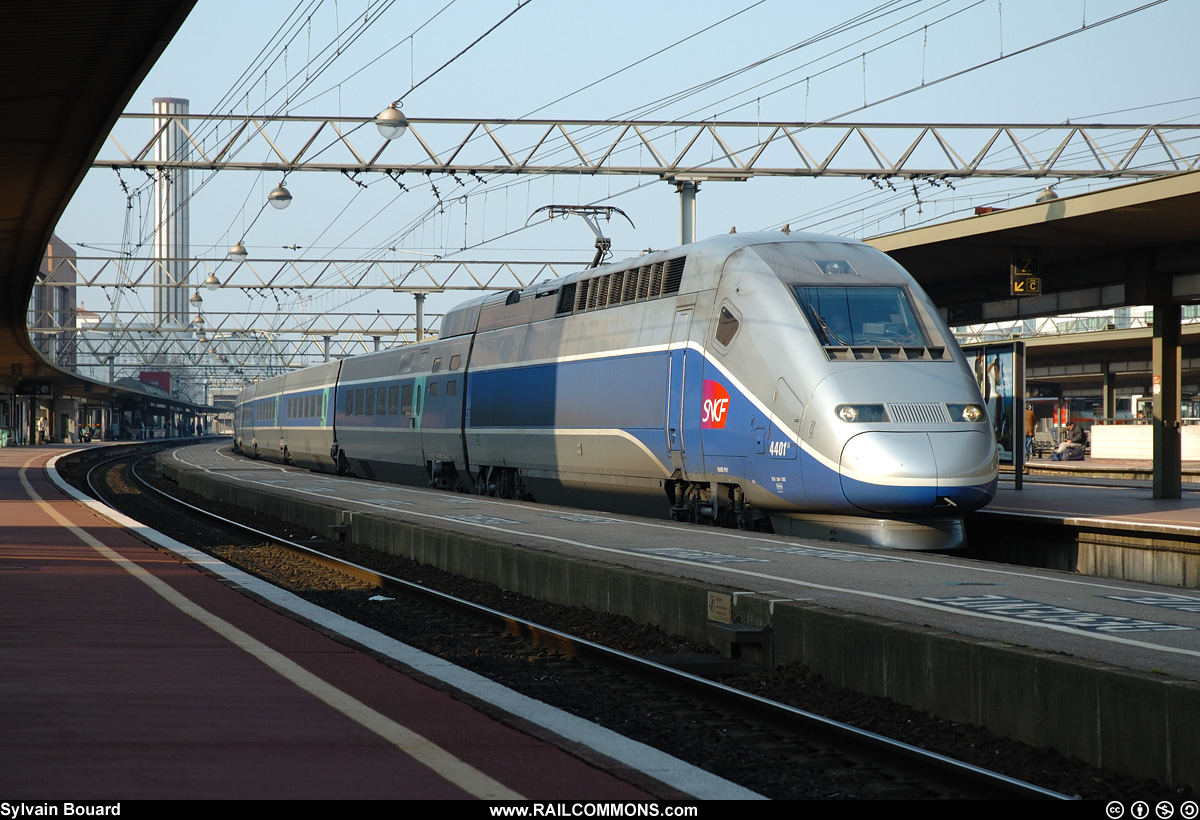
[[715, 406]]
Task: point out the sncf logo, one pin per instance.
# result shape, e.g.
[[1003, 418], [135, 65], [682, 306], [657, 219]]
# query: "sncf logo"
[[715, 406]]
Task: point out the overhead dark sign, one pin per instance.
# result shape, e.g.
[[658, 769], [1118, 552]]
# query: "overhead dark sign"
[[32, 388], [1024, 276]]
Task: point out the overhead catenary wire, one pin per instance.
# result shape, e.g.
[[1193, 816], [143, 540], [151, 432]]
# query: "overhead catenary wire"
[[927, 83], [339, 215]]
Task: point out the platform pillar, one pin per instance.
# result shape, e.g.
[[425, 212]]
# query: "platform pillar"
[[1165, 387], [1109, 399]]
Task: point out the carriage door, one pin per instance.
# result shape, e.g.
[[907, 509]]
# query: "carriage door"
[[677, 367]]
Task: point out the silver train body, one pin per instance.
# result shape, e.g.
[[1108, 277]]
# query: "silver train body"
[[798, 383]]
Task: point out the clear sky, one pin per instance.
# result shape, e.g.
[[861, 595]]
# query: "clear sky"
[[551, 60]]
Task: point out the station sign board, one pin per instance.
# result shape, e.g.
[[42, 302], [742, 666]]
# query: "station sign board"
[[1024, 273], [35, 388]]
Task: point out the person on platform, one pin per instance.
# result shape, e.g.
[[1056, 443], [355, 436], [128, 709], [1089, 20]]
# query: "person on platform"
[[41, 430], [1030, 428], [1072, 440]]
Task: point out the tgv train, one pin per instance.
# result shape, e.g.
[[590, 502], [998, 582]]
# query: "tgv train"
[[797, 383]]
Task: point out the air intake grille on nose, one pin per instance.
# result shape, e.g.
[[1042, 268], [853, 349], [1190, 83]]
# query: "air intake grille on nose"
[[918, 413]]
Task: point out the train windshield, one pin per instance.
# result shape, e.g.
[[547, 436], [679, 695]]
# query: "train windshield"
[[860, 316]]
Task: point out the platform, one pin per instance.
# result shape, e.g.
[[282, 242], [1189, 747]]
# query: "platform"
[[1130, 469], [129, 673], [1106, 671], [1096, 518]]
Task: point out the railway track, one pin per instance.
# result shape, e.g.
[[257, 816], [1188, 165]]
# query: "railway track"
[[777, 750]]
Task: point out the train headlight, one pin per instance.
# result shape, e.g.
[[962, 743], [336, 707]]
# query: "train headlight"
[[971, 413], [861, 412]]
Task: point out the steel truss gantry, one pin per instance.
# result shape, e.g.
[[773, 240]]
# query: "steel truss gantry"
[[683, 153], [400, 276], [242, 340], [676, 151], [291, 331]]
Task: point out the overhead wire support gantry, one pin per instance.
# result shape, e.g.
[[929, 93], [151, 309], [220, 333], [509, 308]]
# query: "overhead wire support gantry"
[[706, 150], [399, 276]]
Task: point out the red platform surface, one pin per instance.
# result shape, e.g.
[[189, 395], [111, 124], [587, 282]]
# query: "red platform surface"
[[111, 691]]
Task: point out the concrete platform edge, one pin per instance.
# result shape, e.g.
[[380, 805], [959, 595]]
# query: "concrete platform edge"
[[1137, 723]]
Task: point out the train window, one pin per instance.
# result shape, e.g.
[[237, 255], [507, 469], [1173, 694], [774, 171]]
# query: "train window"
[[454, 361], [406, 400], [358, 402], [350, 403], [437, 364], [727, 327], [860, 316], [433, 390], [381, 402], [393, 401], [452, 387], [370, 401]]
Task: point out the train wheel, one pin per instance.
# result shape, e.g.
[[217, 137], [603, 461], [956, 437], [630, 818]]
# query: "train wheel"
[[506, 483]]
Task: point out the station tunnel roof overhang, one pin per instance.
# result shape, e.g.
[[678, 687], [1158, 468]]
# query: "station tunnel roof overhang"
[[1133, 244], [57, 105]]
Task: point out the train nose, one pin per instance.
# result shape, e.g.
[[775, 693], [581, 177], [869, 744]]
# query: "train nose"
[[918, 472]]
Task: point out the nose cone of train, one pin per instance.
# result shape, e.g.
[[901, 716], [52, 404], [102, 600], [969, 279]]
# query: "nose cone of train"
[[913, 473]]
